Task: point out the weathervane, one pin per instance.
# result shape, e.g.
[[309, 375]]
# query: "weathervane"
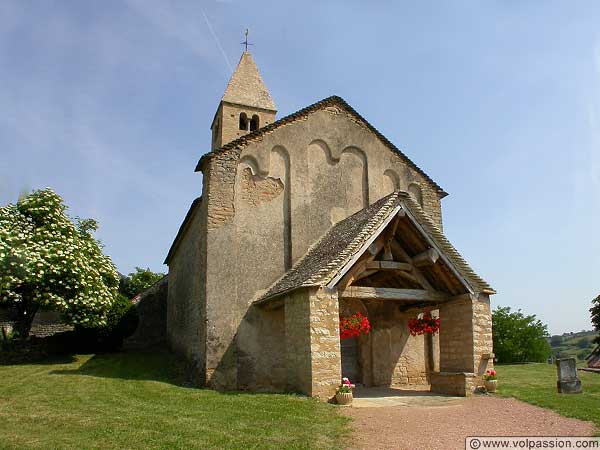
[[246, 43]]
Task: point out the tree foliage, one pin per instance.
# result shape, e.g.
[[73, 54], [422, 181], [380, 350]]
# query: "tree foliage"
[[49, 260], [121, 322], [595, 313], [138, 281], [518, 337]]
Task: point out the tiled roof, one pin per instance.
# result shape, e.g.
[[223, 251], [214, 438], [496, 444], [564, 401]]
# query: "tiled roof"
[[478, 283], [329, 101], [246, 86], [335, 249]]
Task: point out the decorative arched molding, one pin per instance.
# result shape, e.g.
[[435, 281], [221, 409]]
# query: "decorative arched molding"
[[415, 190], [284, 157], [326, 177], [319, 144], [278, 160], [365, 172], [251, 162], [391, 181]]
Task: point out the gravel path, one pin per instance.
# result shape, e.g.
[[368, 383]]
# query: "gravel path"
[[446, 427]]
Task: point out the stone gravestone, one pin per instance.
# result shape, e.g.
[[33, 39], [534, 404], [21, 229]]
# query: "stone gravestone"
[[567, 383]]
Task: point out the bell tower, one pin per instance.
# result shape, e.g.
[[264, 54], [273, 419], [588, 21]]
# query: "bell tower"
[[246, 105]]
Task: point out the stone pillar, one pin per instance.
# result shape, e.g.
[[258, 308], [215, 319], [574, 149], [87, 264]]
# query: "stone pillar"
[[456, 336], [465, 344], [312, 342], [326, 355]]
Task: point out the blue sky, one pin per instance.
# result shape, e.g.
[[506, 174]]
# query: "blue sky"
[[110, 104]]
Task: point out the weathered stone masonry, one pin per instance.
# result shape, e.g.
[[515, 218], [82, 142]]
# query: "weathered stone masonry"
[[269, 196]]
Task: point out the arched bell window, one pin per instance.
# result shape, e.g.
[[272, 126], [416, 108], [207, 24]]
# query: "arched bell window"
[[243, 121], [254, 124]]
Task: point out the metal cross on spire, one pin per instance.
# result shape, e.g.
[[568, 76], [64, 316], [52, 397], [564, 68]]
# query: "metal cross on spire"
[[246, 43]]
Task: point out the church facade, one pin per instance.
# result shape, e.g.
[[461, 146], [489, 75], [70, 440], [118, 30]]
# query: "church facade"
[[301, 221]]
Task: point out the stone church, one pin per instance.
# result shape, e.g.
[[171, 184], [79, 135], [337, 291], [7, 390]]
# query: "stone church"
[[306, 219]]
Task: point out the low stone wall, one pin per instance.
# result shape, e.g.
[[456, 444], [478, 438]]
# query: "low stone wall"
[[461, 384], [45, 323], [152, 310]]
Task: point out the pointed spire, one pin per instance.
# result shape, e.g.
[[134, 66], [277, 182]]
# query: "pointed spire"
[[246, 86]]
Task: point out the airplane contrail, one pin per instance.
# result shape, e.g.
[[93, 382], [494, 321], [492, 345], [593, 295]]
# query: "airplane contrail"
[[214, 35]]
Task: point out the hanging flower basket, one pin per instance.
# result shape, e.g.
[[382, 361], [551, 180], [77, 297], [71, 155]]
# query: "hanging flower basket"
[[354, 326], [423, 325]]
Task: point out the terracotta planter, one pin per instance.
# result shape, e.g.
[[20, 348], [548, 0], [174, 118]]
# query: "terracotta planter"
[[490, 385], [344, 398]]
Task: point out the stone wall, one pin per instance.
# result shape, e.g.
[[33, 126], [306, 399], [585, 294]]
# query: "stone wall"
[[453, 383], [186, 325], [324, 343], [456, 336], [312, 342], [225, 127], [151, 307], [465, 344], [482, 334], [263, 206], [45, 323], [266, 204], [298, 341], [389, 355]]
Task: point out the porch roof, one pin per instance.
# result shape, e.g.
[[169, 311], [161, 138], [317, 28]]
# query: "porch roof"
[[327, 260]]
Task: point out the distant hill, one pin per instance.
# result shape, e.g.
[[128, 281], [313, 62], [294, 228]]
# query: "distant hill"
[[573, 345]]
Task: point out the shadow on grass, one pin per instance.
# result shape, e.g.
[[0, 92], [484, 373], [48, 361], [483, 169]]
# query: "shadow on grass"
[[9, 358], [156, 365], [33, 351]]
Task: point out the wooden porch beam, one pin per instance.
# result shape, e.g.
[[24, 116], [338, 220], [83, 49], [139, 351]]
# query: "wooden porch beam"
[[366, 293], [427, 258], [388, 265]]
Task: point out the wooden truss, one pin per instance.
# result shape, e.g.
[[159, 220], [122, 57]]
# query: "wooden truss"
[[386, 272]]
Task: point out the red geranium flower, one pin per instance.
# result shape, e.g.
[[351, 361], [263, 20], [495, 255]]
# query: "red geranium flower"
[[354, 326], [425, 324]]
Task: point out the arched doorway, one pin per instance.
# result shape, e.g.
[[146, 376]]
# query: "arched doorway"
[[352, 348]]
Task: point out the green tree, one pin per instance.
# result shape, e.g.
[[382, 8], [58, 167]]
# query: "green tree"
[[48, 260], [582, 354], [121, 322], [556, 340], [138, 281], [595, 312], [519, 338], [583, 343]]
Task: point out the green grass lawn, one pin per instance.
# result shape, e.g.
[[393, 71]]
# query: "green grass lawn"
[[536, 384], [135, 401]]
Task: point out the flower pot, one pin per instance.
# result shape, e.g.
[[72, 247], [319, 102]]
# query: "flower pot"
[[490, 385], [343, 398]]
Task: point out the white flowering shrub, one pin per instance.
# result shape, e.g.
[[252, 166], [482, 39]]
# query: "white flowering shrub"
[[48, 260]]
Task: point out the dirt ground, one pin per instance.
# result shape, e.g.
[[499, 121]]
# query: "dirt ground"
[[445, 427]]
